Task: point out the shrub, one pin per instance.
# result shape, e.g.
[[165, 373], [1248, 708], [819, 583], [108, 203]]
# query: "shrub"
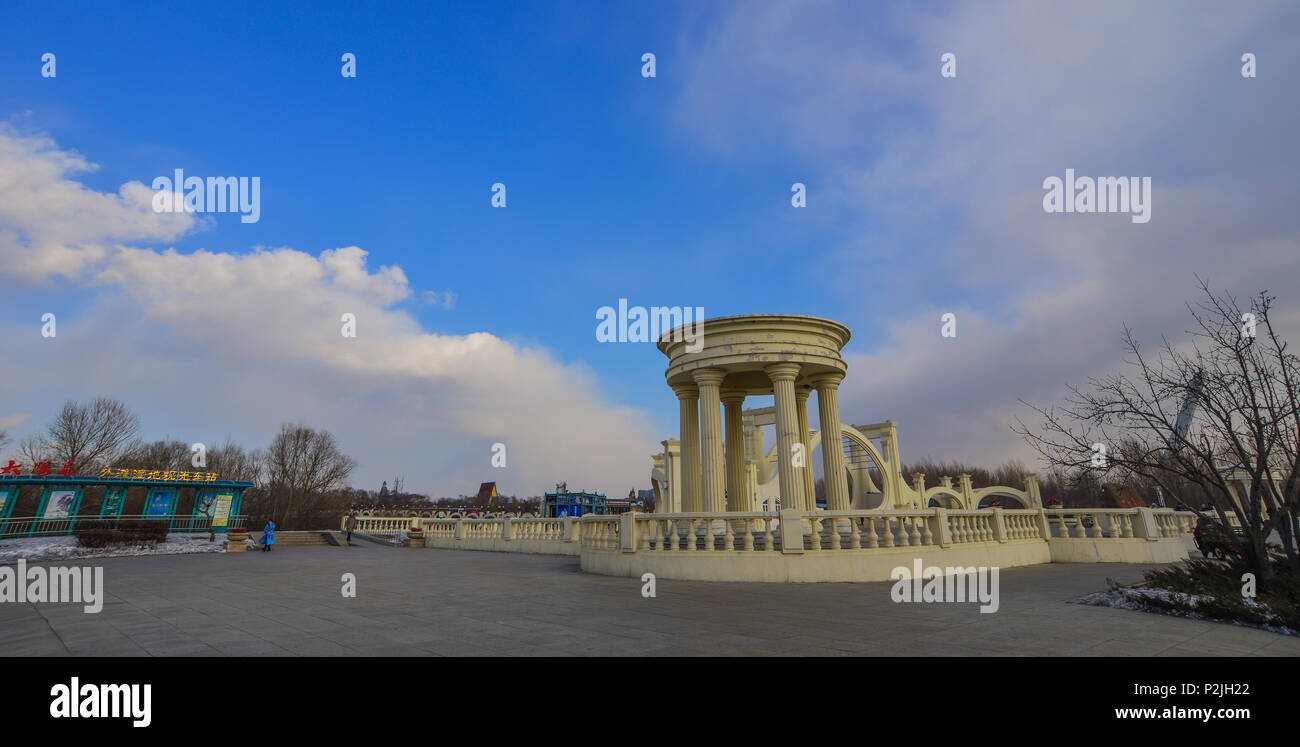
[[1217, 587], [104, 534]]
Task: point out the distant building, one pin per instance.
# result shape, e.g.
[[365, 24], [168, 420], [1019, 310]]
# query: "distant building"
[[487, 494], [565, 502]]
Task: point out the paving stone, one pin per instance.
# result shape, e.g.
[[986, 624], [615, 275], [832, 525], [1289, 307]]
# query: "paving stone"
[[450, 603]]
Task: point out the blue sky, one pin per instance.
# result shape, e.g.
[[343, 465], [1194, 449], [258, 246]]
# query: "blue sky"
[[923, 198], [605, 200]]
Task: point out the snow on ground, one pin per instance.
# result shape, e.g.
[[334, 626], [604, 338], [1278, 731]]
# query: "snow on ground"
[[42, 549], [1127, 598]]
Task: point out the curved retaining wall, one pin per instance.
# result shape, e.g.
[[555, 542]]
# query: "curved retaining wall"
[[842, 565]]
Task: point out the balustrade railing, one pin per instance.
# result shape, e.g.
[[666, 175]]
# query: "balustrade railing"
[[538, 529], [867, 530], [600, 533], [1022, 524], [819, 531], [383, 524]]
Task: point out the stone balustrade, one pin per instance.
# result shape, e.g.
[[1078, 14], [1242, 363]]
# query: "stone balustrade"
[[382, 524], [504, 534], [821, 545]]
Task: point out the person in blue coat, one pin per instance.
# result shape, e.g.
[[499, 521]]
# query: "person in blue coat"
[[268, 535]]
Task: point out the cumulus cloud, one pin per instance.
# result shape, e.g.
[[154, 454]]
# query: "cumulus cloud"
[[936, 183], [216, 342]]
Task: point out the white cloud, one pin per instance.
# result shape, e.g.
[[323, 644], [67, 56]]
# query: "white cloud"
[[213, 342]]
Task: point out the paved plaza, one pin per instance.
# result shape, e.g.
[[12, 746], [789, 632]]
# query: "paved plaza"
[[457, 603]]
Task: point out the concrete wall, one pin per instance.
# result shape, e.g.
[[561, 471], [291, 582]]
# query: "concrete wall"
[[828, 565], [496, 544], [1135, 550]]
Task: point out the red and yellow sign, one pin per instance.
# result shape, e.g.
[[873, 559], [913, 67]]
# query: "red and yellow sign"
[[164, 475]]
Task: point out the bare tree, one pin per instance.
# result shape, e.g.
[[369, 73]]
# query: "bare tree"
[[89, 435], [160, 455], [1244, 386], [35, 450], [303, 465], [232, 462]]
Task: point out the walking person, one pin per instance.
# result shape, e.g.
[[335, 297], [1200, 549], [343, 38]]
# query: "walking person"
[[351, 525], [268, 535]]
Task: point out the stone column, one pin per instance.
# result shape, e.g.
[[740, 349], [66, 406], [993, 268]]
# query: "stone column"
[[967, 492], [828, 409], [809, 483], [689, 491], [787, 433], [713, 476], [733, 403]]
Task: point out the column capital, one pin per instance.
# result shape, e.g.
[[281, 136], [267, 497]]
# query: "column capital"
[[686, 391], [782, 371], [709, 376], [733, 396], [827, 380]]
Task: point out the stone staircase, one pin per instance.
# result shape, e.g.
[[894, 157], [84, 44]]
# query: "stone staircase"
[[301, 539]]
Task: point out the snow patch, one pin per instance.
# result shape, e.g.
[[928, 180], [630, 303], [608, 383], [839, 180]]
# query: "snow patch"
[[41, 549], [1139, 599]]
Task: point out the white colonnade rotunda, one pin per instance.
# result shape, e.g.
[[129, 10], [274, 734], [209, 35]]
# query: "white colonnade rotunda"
[[720, 464]]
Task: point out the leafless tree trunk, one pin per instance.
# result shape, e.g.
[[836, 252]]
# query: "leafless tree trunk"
[[303, 465]]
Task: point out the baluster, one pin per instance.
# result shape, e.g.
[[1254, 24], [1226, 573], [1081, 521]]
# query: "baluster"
[[872, 540], [887, 531], [904, 539], [836, 542], [855, 535], [927, 536], [814, 534], [749, 535]]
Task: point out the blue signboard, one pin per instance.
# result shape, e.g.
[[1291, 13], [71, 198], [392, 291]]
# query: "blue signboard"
[[160, 502]]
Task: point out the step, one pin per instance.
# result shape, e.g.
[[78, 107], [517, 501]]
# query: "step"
[[297, 539]]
